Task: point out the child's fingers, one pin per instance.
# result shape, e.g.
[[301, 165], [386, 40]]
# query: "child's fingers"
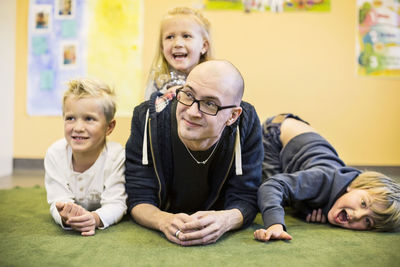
[[84, 226], [319, 215], [285, 236], [67, 208], [77, 220], [314, 215], [85, 229], [173, 89], [267, 235], [81, 211], [59, 206], [80, 225], [323, 220], [260, 234], [65, 212], [88, 233], [74, 210]]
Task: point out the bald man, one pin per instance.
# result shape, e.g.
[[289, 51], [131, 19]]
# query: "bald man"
[[194, 158]]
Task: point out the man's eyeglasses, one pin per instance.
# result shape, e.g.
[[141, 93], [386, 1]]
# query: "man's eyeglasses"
[[206, 106]]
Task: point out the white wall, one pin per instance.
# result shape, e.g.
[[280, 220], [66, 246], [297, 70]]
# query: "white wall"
[[7, 73]]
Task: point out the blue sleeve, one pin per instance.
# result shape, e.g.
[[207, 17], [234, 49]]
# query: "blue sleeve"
[[242, 189], [284, 189], [309, 164], [141, 182]]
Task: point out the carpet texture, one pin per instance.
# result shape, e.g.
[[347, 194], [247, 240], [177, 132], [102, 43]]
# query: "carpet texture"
[[29, 237]]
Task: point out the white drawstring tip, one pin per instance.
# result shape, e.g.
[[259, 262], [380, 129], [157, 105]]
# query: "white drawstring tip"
[[238, 154]]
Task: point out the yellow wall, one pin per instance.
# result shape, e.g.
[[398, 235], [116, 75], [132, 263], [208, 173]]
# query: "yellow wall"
[[303, 63]]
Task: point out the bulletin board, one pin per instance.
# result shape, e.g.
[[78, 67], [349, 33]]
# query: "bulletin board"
[[69, 39]]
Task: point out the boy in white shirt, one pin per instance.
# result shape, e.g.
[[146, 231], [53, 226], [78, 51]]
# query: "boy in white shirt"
[[84, 179]]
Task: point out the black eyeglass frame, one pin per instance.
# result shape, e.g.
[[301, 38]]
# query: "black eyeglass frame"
[[180, 89]]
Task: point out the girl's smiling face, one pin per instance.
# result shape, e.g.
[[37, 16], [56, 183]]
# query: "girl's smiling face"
[[353, 210], [182, 42]]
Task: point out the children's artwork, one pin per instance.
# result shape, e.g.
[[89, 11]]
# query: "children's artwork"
[[70, 39], [64, 9], [115, 40], [68, 54], [41, 18], [378, 34], [269, 5]]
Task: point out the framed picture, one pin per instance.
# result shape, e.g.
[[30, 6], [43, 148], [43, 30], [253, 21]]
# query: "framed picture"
[[42, 22], [64, 9], [68, 55]]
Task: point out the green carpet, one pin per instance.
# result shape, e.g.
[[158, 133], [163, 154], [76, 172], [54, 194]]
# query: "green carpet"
[[29, 237]]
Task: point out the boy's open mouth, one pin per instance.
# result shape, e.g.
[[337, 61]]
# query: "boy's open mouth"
[[342, 217]]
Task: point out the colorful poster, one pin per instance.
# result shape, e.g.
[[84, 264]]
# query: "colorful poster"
[[378, 38], [114, 48], [70, 39], [269, 5]]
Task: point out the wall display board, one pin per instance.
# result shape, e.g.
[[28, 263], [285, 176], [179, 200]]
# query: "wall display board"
[[83, 38]]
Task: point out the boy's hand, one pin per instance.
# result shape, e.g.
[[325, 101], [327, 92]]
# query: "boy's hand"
[[316, 217], [86, 223], [78, 218], [275, 231], [68, 210]]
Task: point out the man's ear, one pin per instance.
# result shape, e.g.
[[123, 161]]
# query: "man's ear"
[[234, 116], [111, 126]]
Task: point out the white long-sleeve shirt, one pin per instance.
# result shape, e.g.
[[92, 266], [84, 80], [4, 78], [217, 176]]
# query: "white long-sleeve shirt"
[[101, 188]]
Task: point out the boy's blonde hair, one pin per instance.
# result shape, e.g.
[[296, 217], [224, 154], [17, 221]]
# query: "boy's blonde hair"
[[159, 72], [386, 199], [87, 87]]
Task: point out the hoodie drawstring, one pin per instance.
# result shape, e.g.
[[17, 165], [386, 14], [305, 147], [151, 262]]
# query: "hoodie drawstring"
[[238, 150], [145, 160], [238, 154]]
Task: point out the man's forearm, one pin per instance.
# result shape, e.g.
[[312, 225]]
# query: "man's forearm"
[[149, 216], [234, 219]]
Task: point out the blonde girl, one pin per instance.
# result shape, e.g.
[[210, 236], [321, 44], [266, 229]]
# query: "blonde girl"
[[184, 42]]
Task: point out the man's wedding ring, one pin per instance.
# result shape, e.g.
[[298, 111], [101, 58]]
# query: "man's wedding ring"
[[177, 233]]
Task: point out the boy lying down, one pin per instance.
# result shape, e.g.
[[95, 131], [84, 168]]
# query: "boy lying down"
[[302, 170]]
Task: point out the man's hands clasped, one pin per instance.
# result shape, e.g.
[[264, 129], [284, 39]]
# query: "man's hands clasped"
[[200, 228]]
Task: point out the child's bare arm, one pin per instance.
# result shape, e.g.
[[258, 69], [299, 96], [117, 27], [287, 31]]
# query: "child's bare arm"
[[273, 232]]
